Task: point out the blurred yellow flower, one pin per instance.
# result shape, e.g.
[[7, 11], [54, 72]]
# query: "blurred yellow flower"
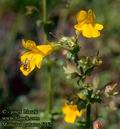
[[86, 24], [34, 56], [71, 113]]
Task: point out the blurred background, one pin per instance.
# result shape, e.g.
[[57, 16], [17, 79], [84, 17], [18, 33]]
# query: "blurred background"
[[22, 19]]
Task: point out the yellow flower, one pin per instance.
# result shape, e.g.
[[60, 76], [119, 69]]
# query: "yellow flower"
[[71, 113], [86, 24], [34, 56]]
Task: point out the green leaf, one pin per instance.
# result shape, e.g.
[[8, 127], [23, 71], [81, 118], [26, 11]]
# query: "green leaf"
[[89, 70]]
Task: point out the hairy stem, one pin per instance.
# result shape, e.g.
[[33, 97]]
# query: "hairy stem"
[[45, 18], [50, 88], [88, 116], [50, 91]]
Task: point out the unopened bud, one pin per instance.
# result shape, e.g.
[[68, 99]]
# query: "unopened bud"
[[110, 90], [97, 124], [97, 61]]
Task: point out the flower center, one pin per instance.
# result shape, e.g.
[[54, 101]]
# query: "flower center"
[[26, 65]]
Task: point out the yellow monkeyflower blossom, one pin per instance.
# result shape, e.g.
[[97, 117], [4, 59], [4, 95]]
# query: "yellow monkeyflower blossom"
[[71, 113], [34, 56], [86, 24]]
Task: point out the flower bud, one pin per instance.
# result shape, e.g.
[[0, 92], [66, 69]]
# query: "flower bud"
[[97, 124], [97, 61], [110, 90]]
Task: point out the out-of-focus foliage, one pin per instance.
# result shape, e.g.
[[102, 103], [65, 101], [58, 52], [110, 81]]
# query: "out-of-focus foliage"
[[16, 24]]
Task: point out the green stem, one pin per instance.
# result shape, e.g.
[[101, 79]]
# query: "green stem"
[[50, 91], [45, 18], [50, 88], [88, 116]]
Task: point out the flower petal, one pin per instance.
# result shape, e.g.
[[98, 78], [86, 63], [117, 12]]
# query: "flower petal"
[[71, 112], [87, 30], [45, 49], [78, 27], [27, 71], [27, 63], [81, 16], [26, 55], [30, 45], [66, 109], [95, 33], [91, 17], [98, 26], [70, 119], [38, 60]]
